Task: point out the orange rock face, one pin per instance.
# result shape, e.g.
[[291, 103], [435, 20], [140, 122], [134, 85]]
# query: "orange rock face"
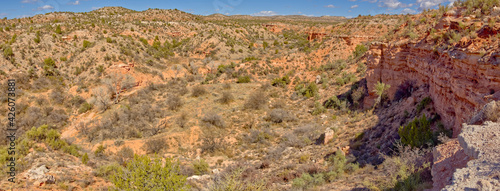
[[460, 82]]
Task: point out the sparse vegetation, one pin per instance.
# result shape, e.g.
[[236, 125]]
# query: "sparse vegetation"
[[152, 174], [417, 133]]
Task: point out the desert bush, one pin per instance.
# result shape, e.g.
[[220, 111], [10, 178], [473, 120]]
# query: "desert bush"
[[125, 154], [318, 109], [143, 173], [243, 79], [200, 167], [226, 98], [291, 140], [51, 137], [307, 181], [99, 152], [281, 82], [86, 44], [155, 145], [213, 119], [108, 170], [336, 66], [85, 158], [226, 86], [258, 136], [279, 115], [57, 96], [212, 142], [182, 120], [381, 91], [359, 50], [197, 91], [234, 179], [417, 133], [256, 100], [174, 102], [311, 90], [407, 170], [8, 53], [85, 107], [422, 104]]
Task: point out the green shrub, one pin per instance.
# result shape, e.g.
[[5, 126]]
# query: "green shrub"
[[243, 79], [307, 181], [37, 39], [86, 44], [85, 107], [100, 150], [236, 180], [200, 167], [359, 50], [58, 29], [426, 101], [143, 173], [63, 59], [248, 59], [318, 109], [311, 90], [281, 82], [51, 137], [7, 52], [109, 170], [417, 133], [85, 158]]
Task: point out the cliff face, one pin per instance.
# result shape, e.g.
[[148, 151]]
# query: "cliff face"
[[459, 81]]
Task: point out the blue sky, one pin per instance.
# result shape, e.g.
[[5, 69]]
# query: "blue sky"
[[347, 8]]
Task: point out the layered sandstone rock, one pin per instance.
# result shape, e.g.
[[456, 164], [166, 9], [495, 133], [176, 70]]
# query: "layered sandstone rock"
[[459, 81]]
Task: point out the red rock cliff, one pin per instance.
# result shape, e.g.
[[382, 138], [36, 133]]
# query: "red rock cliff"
[[459, 81]]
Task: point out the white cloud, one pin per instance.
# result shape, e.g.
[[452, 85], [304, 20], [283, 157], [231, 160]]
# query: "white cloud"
[[29, 1], [354, 6], [45, 7], [408, 11], [23, 16], [74, 3], [426, 4], [265, 13], [392, 4], [329, 6]]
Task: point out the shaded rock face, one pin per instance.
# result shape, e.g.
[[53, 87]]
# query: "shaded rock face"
[[447, 158], [459, 82], [482, 143]]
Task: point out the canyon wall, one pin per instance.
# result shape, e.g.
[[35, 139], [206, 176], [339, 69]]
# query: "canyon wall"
[[460, 82]]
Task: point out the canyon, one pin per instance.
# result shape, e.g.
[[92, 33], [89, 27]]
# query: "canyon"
[[460, 81]]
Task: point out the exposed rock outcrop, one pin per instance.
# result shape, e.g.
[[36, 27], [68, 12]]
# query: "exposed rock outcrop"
[[447, 158], [459, 81], [480, 142]]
